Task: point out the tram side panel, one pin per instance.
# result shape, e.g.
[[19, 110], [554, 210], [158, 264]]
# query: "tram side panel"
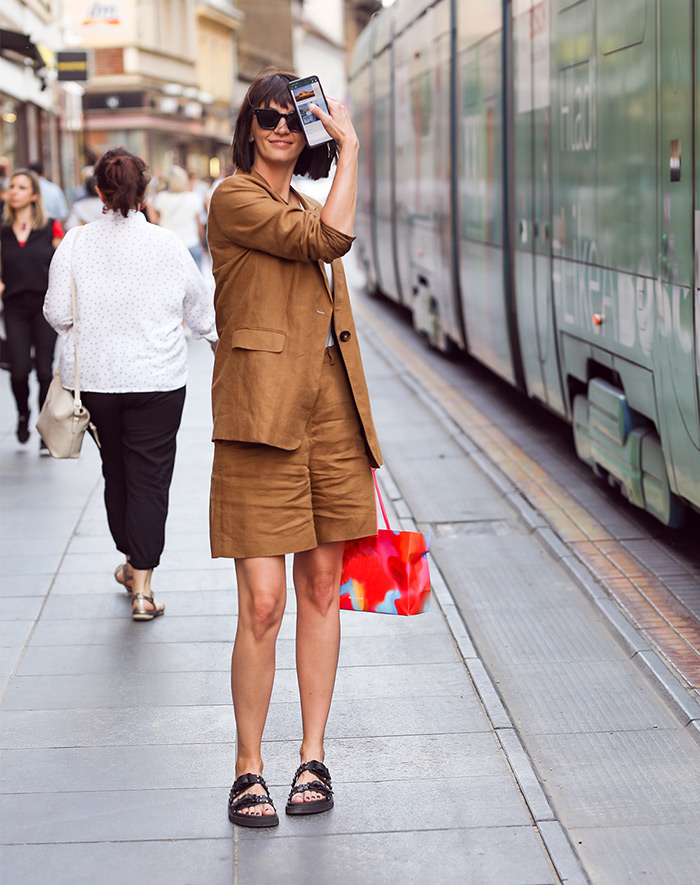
[[675, 356], [444, 286], [530, 215], [361, 101], [479, 116], [382, 146], [617, 351], [420, 197]]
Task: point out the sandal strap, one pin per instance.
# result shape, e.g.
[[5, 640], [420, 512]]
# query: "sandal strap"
[[250, 799], [314, 787], [317, 768], [244, 781]]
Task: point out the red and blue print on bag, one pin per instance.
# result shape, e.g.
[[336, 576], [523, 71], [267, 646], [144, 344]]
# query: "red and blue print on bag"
[[386, 573]]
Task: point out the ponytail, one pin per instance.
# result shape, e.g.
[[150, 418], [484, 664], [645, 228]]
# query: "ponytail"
[[123, 178]]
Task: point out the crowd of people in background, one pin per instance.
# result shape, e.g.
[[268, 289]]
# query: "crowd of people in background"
[[35, 214]]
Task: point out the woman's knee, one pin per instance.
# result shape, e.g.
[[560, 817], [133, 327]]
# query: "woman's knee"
[[262, 613], [319, 591]]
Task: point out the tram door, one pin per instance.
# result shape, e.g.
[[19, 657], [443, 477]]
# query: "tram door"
[[675, 358], [531, 212]]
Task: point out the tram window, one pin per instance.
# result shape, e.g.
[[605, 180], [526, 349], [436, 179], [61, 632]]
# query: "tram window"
[[574, 34], [621, 24]]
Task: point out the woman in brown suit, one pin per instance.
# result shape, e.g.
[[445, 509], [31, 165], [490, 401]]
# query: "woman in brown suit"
[[293, 433]]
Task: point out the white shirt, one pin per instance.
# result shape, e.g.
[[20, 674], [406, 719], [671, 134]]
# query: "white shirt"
[[180, 213], [135, 283], [330, 338]]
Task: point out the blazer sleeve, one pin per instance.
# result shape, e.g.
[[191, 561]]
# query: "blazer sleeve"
[[249, 216]]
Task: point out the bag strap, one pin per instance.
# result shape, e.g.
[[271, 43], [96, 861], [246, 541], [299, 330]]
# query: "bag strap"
[[379, 496], [77, 404]]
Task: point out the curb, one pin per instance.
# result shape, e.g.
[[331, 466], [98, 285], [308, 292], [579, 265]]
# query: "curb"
[[554, 838], [684, 706]]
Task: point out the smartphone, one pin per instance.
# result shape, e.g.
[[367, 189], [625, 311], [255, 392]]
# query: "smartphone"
[[303, 92]]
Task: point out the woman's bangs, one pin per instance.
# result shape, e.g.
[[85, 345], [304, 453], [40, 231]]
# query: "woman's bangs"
[[272, 89]]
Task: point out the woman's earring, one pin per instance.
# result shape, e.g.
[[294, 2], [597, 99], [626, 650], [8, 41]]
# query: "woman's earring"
[[105, 210]]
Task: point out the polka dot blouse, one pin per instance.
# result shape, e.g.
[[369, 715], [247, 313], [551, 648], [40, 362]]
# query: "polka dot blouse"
[[136, 282]]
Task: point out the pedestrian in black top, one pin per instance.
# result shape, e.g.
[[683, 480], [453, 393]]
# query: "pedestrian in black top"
[[27, 242]]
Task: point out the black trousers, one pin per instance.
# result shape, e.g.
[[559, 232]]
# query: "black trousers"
[[26, 329], [137, 433]]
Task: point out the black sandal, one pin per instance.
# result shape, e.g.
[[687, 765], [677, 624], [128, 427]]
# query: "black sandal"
[[235, 804], [322, 785]]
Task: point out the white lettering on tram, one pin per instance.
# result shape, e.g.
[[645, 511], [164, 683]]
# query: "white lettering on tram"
[[577, 125], [624, 309]]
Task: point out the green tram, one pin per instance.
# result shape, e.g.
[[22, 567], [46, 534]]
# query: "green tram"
[[528, 189]]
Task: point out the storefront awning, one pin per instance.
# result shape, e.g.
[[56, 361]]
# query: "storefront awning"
[[19, 47]]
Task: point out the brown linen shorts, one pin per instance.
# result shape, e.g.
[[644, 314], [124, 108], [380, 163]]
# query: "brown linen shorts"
[[267, 501]]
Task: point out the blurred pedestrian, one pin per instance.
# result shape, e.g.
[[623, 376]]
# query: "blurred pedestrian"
[[180, 210], [54, 199], [293, 432], [27, 242], [81, 191], [135, 284], [87, 208]]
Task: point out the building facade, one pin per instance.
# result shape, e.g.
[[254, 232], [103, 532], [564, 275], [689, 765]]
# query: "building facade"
[[30, 101], [162, 78]]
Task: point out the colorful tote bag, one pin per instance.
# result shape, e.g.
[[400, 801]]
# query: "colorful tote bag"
[[387, 572]]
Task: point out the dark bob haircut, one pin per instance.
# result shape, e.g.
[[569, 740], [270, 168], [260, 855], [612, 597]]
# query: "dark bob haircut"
[[272, 84]]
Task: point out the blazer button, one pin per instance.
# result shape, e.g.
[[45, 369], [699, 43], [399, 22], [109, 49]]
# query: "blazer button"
[[344, 336]]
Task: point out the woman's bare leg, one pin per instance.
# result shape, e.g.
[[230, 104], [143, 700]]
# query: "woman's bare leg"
[[262, 594], [316, 582]]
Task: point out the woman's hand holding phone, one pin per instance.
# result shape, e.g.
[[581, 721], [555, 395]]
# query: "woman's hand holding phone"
[[339, 211], [337, 124]]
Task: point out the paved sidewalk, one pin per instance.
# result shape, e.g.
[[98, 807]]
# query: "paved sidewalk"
[[117, 736]]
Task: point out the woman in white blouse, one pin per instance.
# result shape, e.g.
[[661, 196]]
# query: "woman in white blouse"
[[135, 283]]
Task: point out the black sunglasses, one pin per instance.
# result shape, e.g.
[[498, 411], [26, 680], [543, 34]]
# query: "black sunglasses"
[[268, 118]]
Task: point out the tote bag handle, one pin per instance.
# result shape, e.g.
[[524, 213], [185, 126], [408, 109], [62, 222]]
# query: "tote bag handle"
[[379, 497]]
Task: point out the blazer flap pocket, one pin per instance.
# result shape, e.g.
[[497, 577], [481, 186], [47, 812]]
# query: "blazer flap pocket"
[[271, 340]]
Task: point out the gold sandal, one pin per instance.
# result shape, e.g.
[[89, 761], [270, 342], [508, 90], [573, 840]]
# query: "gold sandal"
[[141, 613], [121, 576]]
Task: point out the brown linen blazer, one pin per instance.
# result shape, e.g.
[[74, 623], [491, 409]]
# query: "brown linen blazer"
[[273, 308]]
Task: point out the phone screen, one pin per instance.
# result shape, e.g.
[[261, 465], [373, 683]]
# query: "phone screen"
[[303, 93]]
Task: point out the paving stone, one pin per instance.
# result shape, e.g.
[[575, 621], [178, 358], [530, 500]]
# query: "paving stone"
[[636, 777], [115, 816], [602, 696], [115, 603], [525, 636], [181, 862], [122, 725], [27, 546], [167, 581], [498, 856], [8, 658], [619, 855], [436, 491], [38, 564], [116, 686], [25, 585], [85, 769], [125, 658], [504, 573], [20, 608], [14, 633], [128, 688], [211, 765]]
